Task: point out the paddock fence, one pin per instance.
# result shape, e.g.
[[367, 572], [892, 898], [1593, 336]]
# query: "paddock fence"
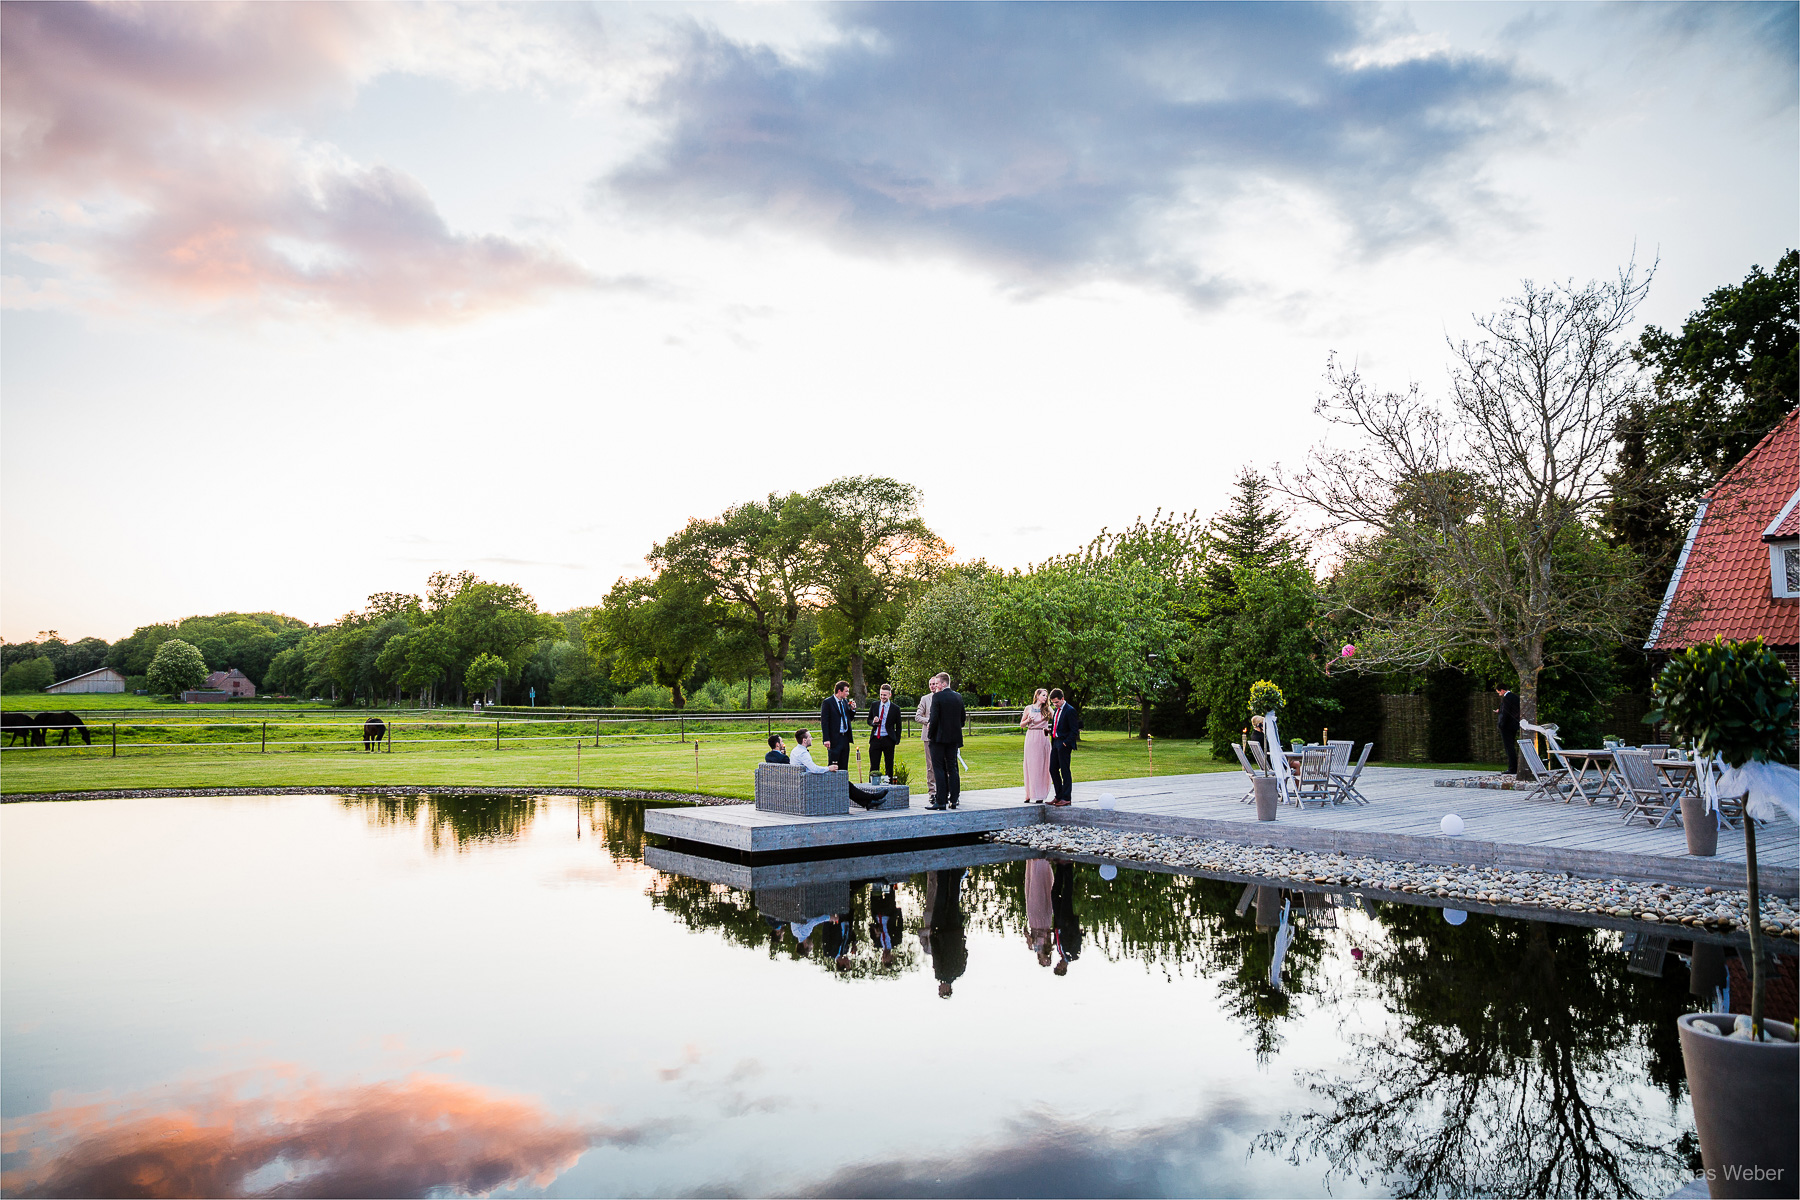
[[113, 736]]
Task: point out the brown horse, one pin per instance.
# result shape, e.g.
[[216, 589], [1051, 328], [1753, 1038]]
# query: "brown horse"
[[374, 730]]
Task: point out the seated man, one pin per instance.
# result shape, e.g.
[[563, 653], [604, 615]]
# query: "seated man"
[[777, 749], [802, 757]]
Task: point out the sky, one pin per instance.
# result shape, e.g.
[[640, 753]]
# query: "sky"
[[303, 303]]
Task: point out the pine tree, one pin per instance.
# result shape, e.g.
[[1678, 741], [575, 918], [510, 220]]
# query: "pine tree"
[[1251, 532]]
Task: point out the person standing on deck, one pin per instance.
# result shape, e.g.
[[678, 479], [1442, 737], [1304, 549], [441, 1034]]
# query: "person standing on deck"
[[1509, 726], [947, 719], [1065, 735], [884, 732], [923, 717], [836, 716]]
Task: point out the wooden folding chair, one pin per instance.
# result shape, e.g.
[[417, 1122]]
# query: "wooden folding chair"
[[1346, 780], [1547, 782], [1314, 784], [1644, 795], [1249, 772]]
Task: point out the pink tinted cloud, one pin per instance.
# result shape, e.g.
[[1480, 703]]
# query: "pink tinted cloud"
[[297, 1137], [132, 150]]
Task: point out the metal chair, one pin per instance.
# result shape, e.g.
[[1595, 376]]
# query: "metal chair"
[[1346, 780], [1644, 795], [1546, 781]]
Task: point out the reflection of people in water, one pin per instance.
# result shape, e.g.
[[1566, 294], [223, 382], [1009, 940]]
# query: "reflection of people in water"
[[1039, 882], [885, 926], [1064, 922], [803, 931], [838, 937], [943, 935]]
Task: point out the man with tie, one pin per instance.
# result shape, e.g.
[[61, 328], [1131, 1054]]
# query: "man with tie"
[[1065, 735], [946, 736], [835, 716], [884, 732]]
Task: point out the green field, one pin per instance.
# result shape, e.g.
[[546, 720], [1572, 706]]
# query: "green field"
[[725, 764]]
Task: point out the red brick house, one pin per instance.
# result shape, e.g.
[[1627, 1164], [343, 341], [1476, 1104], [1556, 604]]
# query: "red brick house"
[[1739, 573], [233, 682]]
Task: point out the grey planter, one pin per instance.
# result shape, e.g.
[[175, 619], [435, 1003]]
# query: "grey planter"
[[1268, 799], [1701, 827], [898, 796], [785, 788], [1746, 1107]]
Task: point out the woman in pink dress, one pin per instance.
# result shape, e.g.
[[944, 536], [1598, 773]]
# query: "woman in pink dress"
[[1040, 885], [1035, 721]]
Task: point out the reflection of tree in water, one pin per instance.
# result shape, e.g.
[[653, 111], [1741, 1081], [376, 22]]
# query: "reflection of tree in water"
[[1505, 1072], [453, 821]]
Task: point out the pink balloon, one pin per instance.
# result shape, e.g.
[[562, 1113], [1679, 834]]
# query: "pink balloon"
[[1348, 651]]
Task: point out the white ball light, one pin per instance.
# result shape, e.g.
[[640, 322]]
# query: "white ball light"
[[1107, 801], [1108, 871], [1452, 825], [1455, 916]]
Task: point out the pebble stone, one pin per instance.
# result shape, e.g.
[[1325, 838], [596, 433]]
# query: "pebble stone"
[[1718, 909], [394, 790]]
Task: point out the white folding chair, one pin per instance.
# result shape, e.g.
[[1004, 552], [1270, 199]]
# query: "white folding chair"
[[1315, 783], [1644, 795]]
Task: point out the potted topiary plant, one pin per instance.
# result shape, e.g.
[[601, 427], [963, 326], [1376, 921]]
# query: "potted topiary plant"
[[1735, 701], [1265, 700]]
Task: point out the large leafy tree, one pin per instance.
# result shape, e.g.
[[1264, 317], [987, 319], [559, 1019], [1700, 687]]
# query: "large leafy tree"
[[949, 628], [759, 562], [874, 554], [1260, 627], [1487, 494], [658, 628], [176, 668], [1090, 627]]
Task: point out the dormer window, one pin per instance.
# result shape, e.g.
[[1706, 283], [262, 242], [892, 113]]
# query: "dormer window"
[[1783, 538]]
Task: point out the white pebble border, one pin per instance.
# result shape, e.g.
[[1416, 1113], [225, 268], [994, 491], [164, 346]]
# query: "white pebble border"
[[1721, 910]]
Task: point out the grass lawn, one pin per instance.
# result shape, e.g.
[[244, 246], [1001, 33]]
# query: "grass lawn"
[[725, 765]]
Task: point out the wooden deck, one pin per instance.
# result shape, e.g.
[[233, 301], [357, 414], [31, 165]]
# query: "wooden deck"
[[1400, 822]]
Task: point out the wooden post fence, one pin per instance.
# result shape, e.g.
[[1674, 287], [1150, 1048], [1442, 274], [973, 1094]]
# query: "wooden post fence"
[[496, 735], [115, 752]]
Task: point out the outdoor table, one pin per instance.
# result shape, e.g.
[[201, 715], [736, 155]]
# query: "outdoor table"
[[1580, 762], [1683, 775]]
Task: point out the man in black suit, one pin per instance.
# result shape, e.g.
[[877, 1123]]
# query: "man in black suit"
[[1509, 726], [884, 731], [1065, 735], [943, 934], [836, 716], [947, 718], [777, 750]]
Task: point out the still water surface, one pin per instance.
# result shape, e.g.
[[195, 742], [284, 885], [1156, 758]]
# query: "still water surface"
[[352, 996]]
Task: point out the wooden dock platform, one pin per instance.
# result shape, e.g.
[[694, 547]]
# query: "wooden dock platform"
[[1400, 822]]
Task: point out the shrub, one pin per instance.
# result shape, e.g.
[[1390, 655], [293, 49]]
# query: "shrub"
[[647, 695], [32, 675]]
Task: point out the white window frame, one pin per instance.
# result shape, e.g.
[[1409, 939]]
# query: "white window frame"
[[1778, 552]]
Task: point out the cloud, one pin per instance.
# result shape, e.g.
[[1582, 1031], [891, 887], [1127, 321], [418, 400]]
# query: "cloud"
[[420, 1135], [1065, 142], [1042, 1155], [136, 158]]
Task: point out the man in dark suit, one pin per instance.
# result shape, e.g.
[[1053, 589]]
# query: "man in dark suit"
[[1509, 726], [1065, 735], [943, 934], [884, 731], [836, 716], [777, 750], [947, 719]]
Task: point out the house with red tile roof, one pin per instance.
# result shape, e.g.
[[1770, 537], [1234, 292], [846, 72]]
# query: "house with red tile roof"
[[1739, 572]]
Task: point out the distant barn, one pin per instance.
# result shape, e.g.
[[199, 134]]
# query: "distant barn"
[[101, 679]]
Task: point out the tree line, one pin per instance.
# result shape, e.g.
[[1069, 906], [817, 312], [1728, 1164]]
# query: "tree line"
[[1520, 527]]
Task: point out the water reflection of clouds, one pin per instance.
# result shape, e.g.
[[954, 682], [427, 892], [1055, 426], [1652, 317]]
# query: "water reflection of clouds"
[[277, 1133], [1046, 1155]]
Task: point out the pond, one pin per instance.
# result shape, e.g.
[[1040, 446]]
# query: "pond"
[[313, 995]]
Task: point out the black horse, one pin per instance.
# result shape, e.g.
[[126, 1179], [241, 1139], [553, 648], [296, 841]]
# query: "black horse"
[[373, 731], [20, 725], [67, 723]]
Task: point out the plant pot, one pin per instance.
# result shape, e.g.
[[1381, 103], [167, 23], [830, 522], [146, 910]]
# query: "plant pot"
[[1268, 907], [1746, 1107], [1268, 800], [1701, 827]]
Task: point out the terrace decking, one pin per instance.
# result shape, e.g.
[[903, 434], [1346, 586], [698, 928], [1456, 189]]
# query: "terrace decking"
[[1400, 822]]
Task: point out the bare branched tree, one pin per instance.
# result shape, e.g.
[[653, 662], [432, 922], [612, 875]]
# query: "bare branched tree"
[[1491, 496]]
